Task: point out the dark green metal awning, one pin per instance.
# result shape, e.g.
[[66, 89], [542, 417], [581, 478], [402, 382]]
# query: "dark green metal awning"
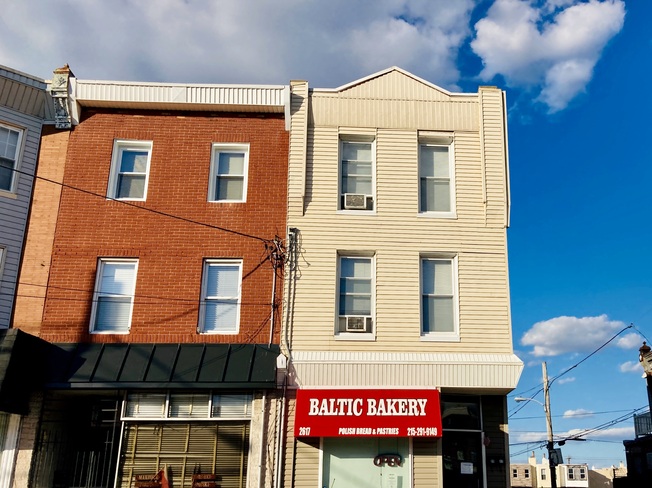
[[161, 366], [20, 371]]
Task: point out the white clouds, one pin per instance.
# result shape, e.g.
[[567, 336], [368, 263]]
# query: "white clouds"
[[630, 341], [616, 434], [235, 41], [562, 335], [631, 367], [552, 49], [566, 380], [580, 412]]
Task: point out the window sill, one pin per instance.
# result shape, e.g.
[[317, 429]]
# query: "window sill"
[[356, 212], [217, 332], [438, 215], [8, 194], [226, 201], [126, 199], [440, 337], [107, 332], [355, 336]]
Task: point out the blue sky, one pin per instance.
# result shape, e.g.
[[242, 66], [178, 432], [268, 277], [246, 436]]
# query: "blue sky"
[[574, 72]]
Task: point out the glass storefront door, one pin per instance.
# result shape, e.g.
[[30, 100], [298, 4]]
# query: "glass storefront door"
[[462, 458], [349, 463]]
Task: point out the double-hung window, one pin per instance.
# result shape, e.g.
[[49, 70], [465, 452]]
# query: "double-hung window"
[[114, 296], [543, 474], [436, 178], [220, 297], [439, 298], [571, 474], [526, 473], [228, 178], [130, 170], [355, 314], [356, 175], [10, 140]]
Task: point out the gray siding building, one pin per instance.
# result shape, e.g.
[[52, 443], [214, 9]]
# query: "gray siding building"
[[23, 108]]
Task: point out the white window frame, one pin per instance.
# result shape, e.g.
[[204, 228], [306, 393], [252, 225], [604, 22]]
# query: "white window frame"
[[447, 142], [97, 293], [582, 473], [119, 147], [9, 448], [514, 473], [205, 406], [16, 158], [340, 320], [571, 474], [444, 336], [370, 199], [526, 473], [543, 474], [3, 254], [217, 149], [201, 327]]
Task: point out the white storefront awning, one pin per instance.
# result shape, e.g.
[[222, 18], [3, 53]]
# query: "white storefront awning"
[[497, 373]]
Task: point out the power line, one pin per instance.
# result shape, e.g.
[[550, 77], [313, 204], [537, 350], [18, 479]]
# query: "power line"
[[157, 212], [540, 385], [594, 352], [582, 433], [586, 414]]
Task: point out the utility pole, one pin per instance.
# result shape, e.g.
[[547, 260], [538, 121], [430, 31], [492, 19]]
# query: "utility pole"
[[551, 442]]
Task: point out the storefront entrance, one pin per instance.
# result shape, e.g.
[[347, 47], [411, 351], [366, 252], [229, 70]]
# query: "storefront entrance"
[[366, 463], [462, 441], [462, 458]]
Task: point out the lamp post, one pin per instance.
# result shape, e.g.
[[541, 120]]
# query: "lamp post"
[[552, 455], [645, 358]]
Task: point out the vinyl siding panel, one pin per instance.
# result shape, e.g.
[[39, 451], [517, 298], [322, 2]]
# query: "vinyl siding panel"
[[427, 462], [395, 85], [297, 151], [397, 236], [494, 152], [302, 456], [332, 110], [14, 207]]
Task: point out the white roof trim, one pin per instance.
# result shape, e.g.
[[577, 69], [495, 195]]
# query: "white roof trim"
[[177, 93], [388, 70], [325, 369]]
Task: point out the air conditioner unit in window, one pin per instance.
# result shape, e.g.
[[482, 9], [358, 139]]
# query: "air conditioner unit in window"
[[358, 323], [357, 201]]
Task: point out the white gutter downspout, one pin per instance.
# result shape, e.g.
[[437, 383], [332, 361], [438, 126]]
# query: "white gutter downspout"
[[280, 434], [262, 440]]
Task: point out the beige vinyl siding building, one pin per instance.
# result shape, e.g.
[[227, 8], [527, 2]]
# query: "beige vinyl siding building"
[[384, 256]]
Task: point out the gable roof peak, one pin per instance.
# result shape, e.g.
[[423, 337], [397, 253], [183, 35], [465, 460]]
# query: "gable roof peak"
[[385, 72]]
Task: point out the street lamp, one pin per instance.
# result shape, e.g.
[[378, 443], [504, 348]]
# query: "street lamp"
[[645, 358], [552, 453]]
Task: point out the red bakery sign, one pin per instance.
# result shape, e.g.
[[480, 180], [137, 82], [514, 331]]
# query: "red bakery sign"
[[367, 413]]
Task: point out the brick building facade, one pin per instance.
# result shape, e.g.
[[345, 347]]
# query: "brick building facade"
[[172, 231], [153, 278]]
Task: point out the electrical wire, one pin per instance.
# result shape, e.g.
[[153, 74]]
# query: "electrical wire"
[[540, 385], [581, 433], [148, 209]]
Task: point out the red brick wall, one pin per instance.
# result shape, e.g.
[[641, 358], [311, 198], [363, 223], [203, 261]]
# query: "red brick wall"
[[35, 265], [170, 251]]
